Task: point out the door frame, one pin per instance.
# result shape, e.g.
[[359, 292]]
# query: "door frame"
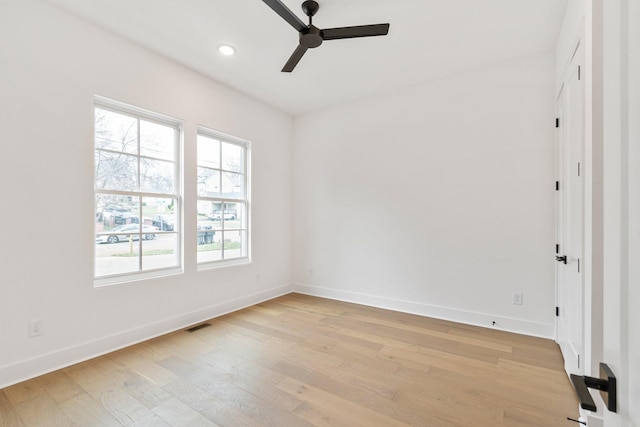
[[621, 177]]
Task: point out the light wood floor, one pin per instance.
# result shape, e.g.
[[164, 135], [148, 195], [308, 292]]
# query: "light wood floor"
[[300, 360]]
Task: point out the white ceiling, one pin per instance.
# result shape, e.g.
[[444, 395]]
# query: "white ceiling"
[[427, 40]]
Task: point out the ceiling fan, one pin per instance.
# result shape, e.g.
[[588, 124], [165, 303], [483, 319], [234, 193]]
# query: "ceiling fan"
[[312, 36]]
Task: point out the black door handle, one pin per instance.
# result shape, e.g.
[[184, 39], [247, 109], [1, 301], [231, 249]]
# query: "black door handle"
[[562, 259]]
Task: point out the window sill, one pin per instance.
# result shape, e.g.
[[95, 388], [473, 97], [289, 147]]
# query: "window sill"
[[225, 263], [128, 278]]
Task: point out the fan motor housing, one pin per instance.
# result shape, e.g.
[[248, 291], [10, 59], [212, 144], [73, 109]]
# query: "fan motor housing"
[[311, 37]]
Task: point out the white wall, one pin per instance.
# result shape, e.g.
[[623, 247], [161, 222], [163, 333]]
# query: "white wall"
[[51, 65], [437, 199]]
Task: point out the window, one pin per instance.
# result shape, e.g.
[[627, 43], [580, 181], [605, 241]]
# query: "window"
[[222, 198], [137, 199]]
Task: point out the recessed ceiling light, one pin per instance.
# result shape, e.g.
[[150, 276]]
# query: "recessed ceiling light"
[[226, 50]]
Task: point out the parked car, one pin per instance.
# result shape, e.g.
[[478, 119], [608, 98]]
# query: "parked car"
[[163, 222], [126, 232], [119, 215], [217, 215]]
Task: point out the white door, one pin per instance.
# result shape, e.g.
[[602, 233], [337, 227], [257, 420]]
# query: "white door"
[[621, 146], [570, 213]]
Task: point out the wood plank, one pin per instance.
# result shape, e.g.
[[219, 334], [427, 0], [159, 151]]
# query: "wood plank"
[[148, 394], [83, 410], [9, 416], [222, 387], [372, 396], [59, 386], [144, 367], [321, 417], [416, 338], [450, 405], [128, 410], [355, 414], [253, 378], [91, 379], [23, 391], [285, 349], [42, 410], [447, 335], [177, 414], [207, 404]]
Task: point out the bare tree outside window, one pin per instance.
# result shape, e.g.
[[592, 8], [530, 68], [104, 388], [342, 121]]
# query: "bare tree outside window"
[[136, 192]]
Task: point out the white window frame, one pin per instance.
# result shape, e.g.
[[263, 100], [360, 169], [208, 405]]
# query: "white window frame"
[[152, 117], [246, 145]]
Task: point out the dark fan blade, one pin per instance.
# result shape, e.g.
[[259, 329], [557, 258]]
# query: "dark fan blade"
[[295, 58], [286, 14], [357, 31]]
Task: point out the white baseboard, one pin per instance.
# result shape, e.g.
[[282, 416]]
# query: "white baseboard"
[[45, 363], [519, 326]]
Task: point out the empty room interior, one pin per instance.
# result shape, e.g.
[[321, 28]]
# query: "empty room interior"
[[376, 213]]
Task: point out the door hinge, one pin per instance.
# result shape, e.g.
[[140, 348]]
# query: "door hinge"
[[557, 311], [557, 248], [579, 72], [557, 122], [578, 168], [557, 185], [578, 265]]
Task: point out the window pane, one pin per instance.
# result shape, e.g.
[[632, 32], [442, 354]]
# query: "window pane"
[[160, 252], [205, 208], [120, 257], [157, 140], [234, 216], [206, 233], [160, 212], [209, 215], [232, 157], [232, 185], [209, 231], [113, 211], [210, 251], [215, 218], [115, 171], [208, 152], [116, 132], [117, 234], [208, 182], [234, 244], [157, 176]]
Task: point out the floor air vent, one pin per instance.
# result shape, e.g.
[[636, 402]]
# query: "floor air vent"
[[198, 327]]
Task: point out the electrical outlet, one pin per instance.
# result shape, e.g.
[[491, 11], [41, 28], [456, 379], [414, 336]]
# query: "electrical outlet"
[[257, 278], [518, 298], [35, 328]]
